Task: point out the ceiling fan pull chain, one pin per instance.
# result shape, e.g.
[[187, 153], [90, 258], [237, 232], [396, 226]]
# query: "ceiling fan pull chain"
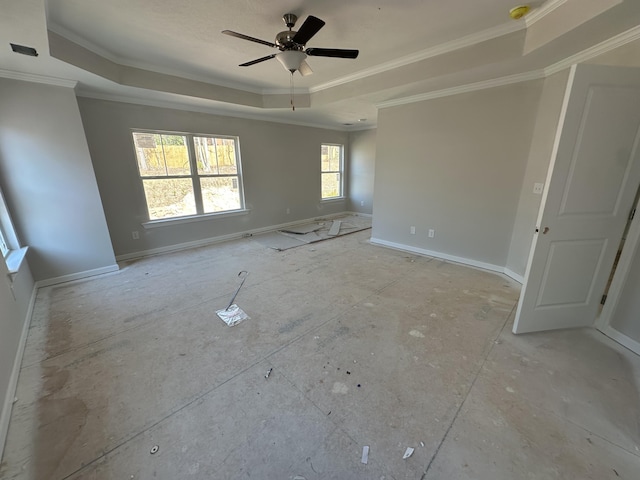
[[293, 107]]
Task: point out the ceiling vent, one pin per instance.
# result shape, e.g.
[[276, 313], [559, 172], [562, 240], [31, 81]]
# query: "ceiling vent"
[[24, 50]]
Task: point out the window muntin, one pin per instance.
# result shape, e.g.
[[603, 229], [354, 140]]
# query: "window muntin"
[[331, 161], [4, 248], [185, 175]]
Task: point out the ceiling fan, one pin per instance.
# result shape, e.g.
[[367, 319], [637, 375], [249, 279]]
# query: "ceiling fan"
[[292, 45]]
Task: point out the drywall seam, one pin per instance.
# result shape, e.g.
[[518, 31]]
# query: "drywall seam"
[[5, 415], [444, 256], [30, 77], [223, 238], [77, 276]]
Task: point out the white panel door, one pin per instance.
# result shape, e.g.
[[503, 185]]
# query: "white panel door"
[[592, 181]]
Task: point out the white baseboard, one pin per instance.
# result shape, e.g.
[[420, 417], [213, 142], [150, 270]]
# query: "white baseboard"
[[5, 415], [623, 340], [77, 276], [360, 214], [444, 256], [513, 275], [224, 238]]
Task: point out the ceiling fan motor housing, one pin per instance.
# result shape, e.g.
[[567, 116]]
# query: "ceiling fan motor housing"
[[284, 40]]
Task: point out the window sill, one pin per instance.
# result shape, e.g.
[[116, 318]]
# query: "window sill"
[[195, 218], [15, 258], [333, 199]]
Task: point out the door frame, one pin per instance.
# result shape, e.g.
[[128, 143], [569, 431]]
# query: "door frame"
[[620, 276]]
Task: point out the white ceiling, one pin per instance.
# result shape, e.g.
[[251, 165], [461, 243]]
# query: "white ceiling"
[[184, 37], [125, 50]]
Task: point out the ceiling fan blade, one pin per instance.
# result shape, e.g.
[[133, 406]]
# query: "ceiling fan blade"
[[305, 69], [331, 52], [309, 28], [257, 60], [247, 37]]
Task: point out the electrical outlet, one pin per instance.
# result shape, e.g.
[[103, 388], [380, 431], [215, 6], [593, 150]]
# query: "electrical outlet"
[[432, 233], [362, 203], [537, 188], [412, 230], [135, 235]]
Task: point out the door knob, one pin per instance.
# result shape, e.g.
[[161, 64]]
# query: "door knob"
[[545, 230]]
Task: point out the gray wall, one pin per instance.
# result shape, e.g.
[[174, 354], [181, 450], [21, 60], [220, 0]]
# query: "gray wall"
[[48, 180], [454, 164], [544, 135], [280, 164], [362, 160]]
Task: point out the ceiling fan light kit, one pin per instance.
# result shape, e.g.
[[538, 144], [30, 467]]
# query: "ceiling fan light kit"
[[291, 59]]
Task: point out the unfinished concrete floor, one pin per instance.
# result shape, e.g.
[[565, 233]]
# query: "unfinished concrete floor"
[[368, 346]]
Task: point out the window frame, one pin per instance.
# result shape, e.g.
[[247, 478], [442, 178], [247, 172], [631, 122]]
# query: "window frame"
[[193, 175], [340, 196], [12, 253]]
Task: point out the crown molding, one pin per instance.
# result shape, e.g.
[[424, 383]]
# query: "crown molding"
[[123, 62], [466, 41], [541, 12], [199, 109], [470, 87], [30, 77], [610, 44]]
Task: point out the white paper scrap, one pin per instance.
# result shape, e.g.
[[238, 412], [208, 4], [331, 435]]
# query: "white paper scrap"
[[232, 315], [408, 452], [365, 454]]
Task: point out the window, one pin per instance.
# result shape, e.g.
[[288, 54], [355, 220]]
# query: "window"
[[331, 162], [184, 175]]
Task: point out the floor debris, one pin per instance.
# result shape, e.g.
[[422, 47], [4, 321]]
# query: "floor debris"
[[233, 315], [305, 234], [268, 373], [303, 229], [422, 444], [407, 453], [335, 228], [365, 454], [154, 449], [243, 275]]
